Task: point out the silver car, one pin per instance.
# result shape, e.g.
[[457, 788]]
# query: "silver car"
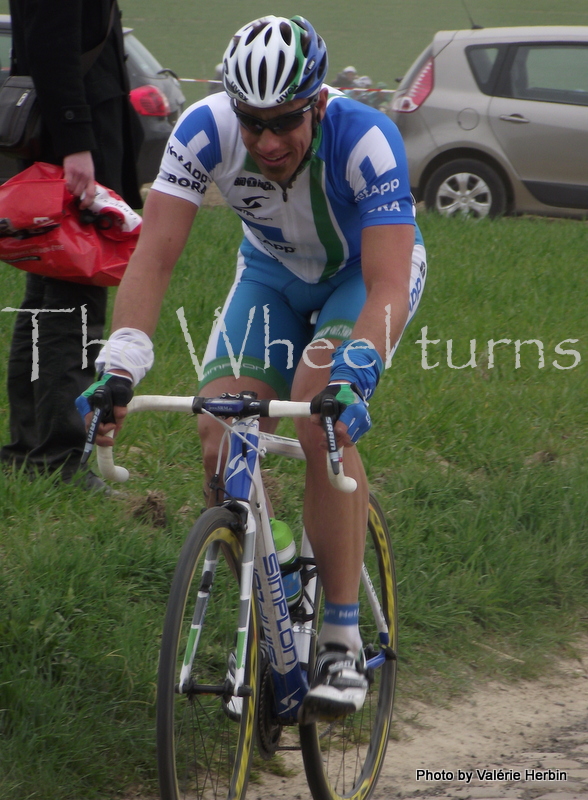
[[495, 121]]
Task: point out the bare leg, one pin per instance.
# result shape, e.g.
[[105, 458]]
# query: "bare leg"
[[335, 522], [336, 526]]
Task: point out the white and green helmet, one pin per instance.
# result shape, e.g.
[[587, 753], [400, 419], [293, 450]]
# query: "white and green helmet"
[[273, 60]]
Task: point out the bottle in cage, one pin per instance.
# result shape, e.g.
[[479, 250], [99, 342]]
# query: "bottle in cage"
[[286, 552]]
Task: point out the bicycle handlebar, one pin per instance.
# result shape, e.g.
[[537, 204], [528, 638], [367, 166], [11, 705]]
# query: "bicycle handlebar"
[[233, 406]]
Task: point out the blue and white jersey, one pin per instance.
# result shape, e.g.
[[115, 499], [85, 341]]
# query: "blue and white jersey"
[[356, 177]]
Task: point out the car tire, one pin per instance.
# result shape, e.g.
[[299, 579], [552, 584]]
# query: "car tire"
[[466, 187]]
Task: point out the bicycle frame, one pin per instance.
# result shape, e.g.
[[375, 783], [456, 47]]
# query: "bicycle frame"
[[261, 575], [288, 643]]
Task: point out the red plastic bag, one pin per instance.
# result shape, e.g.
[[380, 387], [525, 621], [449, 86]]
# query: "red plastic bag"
[[42, 230]]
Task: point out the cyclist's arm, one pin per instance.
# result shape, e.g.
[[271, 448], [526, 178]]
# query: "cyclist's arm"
[[166, 225], [386, 257], [386, 265]]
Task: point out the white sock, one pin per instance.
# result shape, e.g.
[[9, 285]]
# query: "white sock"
[[345, 635]]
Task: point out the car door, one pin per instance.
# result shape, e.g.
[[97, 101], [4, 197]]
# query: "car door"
[[540, 118]]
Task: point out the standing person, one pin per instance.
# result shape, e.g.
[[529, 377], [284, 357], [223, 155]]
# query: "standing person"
[[74, 52], [346, 78], [331, 255]]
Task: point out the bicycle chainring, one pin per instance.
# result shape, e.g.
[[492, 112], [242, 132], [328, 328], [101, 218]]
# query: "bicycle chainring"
[[269, 730]]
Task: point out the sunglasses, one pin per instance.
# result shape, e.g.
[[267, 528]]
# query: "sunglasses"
[[281, 125]]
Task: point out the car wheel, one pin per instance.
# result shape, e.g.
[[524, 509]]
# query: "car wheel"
[[466, 187]]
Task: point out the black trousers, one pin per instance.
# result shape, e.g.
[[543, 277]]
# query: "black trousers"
[[46, 372]]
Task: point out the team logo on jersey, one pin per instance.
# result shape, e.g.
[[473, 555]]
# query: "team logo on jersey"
[[386, 187], [395, 206], [252, 204], [186, 183], [255, 183], [271, 237]]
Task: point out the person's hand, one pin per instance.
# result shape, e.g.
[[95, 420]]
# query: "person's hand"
[[351, 412], [112, 394], [78, 171]]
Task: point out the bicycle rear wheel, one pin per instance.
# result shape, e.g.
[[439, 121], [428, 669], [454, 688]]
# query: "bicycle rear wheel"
[[343, 759], [205, 736]]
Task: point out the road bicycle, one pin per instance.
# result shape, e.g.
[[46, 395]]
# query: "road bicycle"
[[235, 660]]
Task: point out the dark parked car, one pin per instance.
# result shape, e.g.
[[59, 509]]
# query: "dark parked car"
[[495, 121], [155, 94]]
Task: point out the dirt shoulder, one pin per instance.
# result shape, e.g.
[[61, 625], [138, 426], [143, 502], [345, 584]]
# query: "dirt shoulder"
[[528, 725]]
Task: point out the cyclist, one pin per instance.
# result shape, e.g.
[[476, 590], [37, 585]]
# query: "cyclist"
[[329, 271]]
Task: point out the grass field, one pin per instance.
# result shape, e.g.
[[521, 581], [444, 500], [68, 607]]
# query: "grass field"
[[482, 471]]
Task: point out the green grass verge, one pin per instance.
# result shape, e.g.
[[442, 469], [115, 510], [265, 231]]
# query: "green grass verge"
[[481, 471]]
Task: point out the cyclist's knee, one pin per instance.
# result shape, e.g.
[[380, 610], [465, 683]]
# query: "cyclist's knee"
[[311, 438], [210, 438]]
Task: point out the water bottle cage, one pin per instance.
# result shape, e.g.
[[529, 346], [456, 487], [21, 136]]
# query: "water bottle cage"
[[306, 566], [308, 569], [288, 569], [299, 615]]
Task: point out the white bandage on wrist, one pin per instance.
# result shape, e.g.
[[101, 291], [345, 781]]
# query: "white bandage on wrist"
[[129, 349]]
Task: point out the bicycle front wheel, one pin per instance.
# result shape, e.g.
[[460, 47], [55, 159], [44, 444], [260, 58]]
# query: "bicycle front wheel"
[[343, 759], [205, 734]]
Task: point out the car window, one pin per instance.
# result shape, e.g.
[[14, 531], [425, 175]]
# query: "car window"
[[483, 60], [550, 73], [143, 59], [5, 45]]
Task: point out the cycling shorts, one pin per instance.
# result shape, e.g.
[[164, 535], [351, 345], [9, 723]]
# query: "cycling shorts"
[[270, 316]]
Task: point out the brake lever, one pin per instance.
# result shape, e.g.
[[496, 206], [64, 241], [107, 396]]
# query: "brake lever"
[[335, 458], [99, 409], [332, 449]]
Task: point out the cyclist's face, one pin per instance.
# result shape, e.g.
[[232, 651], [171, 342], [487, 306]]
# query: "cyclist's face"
[[278, 154]]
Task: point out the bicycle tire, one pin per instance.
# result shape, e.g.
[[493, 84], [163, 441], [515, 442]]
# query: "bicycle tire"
[[203, 750], [343, 759]]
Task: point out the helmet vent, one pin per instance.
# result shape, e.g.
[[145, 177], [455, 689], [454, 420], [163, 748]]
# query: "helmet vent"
[[307, 82], [262, 78], [248, 73], [321, 70], [286, 32], [293, 73], [279, 70], [256, 30], [238, 75], [305, 43]]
